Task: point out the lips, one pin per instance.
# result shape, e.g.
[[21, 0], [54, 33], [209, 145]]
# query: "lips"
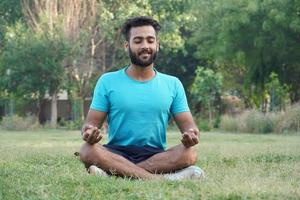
[[143, 53]]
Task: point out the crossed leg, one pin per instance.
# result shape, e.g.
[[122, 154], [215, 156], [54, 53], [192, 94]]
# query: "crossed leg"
[[173, 159]]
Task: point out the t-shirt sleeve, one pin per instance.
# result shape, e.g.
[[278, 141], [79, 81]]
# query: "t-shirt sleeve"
[[179, 103], [100, 100]]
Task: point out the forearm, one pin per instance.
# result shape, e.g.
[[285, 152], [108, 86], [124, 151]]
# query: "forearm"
[[94, 119], [185, 122], [184, 127], [189, 130]]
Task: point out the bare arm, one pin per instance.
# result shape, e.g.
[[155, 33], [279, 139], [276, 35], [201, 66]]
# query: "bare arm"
[[188, 128], [90, 129], [95, 118]]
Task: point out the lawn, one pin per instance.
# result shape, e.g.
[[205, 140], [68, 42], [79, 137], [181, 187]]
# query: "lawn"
[[42, 165]]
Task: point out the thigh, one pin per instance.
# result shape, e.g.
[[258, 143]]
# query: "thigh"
[[172, 159]]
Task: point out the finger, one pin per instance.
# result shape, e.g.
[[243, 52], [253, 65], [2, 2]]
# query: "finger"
[[194, 137], [195, 140], [191, 139], [184, 142], [99, 138], [85, 136], [93, 136], [188, 139]]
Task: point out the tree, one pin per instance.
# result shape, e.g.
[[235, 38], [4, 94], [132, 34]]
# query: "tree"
[[278, 93], [10, 13], [76, 21], [206, 89], [32, 64], [262, 36]]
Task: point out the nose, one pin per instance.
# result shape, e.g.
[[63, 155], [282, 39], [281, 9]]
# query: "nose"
[[144, 44]]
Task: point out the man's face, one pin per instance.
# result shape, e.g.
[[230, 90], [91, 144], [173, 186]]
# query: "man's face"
[[142, 46]]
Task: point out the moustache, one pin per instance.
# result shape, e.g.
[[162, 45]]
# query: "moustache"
[[145, 51]]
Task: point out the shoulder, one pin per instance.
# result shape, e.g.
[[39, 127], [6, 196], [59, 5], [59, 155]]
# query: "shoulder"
[[169, 79], [105, 80], [110, 76]]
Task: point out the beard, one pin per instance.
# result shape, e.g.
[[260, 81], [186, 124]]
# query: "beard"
[[136, 60]]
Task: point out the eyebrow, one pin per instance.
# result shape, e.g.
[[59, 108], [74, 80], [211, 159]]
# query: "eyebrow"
[[140, 37]]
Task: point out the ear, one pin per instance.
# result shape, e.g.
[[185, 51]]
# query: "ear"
[[157, 46], [126, 45]]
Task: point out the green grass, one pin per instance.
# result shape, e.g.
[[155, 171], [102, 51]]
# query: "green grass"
[[41, 165]]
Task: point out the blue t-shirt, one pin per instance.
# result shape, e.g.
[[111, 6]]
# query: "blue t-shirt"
[[138, 112]]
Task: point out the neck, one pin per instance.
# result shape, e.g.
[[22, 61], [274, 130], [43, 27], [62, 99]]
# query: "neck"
[[141, 73]]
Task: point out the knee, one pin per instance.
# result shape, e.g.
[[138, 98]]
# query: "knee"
[[189, 156], [87, 153]]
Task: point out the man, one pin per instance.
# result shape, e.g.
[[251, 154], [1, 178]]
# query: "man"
[[138, 101]]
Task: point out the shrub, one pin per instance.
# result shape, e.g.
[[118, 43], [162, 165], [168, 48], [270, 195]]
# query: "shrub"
[[250, 121], [203, 124], [17, 123], [289, 120], [254, 121], [229, 123], [74, 125]]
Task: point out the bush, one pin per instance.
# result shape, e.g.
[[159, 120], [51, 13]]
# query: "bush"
[[74, 125], [17, 123], [203, 124], [66, 124], [229, 123], [289, 120], [253, 121], [250, 121]]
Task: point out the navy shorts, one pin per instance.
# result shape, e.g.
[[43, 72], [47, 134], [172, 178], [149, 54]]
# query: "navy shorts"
[[133, 153]]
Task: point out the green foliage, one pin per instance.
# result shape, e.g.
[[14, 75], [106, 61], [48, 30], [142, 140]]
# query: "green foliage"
[[263, 36], [31, 63], [206, 89], [74, 125], [17, 123], [10, 13], [206, 86], [203, 124], [279, 93], [172, 15]]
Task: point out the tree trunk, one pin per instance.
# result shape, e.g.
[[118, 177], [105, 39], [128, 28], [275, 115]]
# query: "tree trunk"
[[54, 110], [39, 112], [82, 108], [210, 113]]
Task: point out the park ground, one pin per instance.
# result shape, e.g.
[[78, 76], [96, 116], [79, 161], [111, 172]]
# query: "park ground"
[[42, 165]]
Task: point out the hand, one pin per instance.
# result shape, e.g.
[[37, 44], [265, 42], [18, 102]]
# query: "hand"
[[91, 134], [190, 137]]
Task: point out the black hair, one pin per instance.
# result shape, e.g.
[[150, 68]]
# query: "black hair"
[[139, 21]]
